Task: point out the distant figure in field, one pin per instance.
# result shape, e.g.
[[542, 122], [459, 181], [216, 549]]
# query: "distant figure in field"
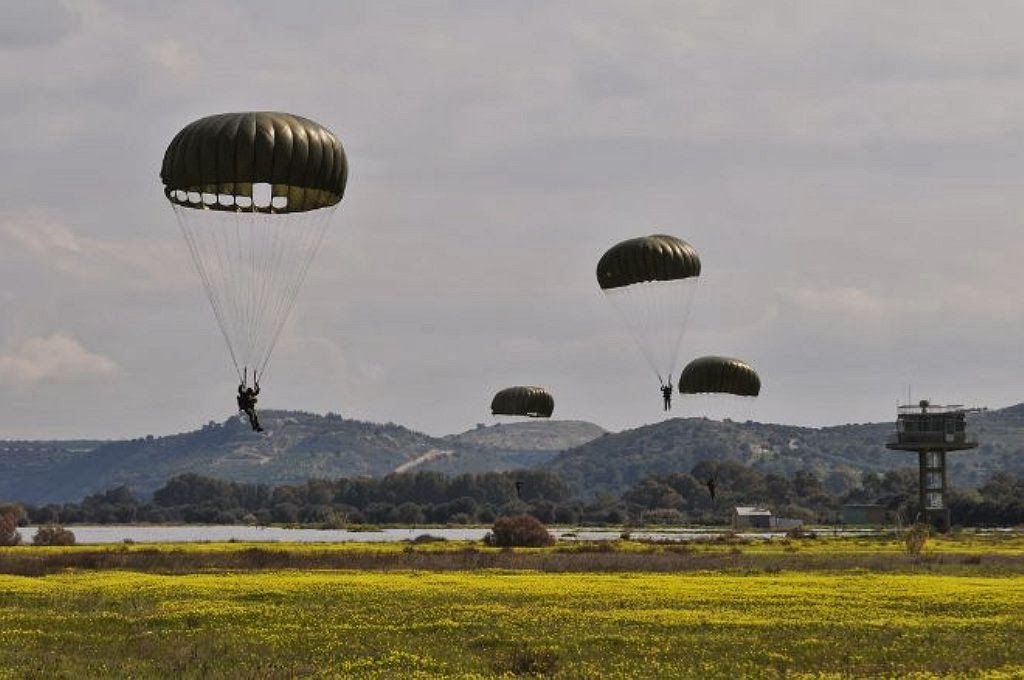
[[519, 488], [247, 404], [711, 487], [666, 394]]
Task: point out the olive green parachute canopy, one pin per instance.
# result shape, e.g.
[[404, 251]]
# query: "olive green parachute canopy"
[[523, 401], [721, 375], [214, 162], [648, 258]]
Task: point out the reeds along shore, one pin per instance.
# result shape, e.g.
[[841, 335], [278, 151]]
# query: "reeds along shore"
[[974, 553]]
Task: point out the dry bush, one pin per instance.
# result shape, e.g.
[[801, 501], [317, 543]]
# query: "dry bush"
[[53, 534], [427, 538], [526, 660], [916, 538], [9, 529], [800, 533], [588, 547], [519, 531]]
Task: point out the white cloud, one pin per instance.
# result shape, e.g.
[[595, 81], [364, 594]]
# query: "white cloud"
[[59, 357]]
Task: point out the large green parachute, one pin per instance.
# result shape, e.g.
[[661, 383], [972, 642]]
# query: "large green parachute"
[[523, 400], [650, 281], [214, 162], [719, 375], [253, 193]]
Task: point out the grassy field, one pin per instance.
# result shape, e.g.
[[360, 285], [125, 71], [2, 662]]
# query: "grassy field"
[[821, 608]]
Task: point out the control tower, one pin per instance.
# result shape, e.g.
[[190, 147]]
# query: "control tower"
[[932, 431]]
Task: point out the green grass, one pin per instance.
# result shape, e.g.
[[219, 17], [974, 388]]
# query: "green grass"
[[953, 612]]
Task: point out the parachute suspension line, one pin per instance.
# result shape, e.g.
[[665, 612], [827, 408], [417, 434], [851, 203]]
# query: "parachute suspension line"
[[655, 312], [284, 250], [252, 266], [225, 257], [245, 233], [313, 230], [192, 239], [262, 262], [273, 264]]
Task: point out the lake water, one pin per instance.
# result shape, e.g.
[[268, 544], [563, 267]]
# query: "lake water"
[[105, 534]]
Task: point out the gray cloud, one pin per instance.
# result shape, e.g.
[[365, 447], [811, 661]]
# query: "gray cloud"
[[58, 357], [849, 174], [31, 25]]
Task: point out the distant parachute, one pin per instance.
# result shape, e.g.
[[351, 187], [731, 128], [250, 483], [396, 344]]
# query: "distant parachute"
[[523, 400], [719, 375], [650, 281], [719, 388], [253, 193]]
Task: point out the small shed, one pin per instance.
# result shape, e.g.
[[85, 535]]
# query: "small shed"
[[751, 517]]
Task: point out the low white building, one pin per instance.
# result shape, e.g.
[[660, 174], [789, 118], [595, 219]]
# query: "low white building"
[[749, 516], [755, 517]]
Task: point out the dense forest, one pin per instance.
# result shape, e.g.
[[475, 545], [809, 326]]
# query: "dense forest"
[[427, 497]]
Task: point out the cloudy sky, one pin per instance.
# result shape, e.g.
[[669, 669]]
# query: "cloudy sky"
[[849, 172]]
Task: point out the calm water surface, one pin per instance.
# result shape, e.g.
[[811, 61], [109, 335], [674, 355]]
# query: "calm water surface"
[[218, 533]]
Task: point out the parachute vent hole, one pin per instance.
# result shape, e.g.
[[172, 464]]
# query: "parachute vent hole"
[[279, 202], [261, 195]]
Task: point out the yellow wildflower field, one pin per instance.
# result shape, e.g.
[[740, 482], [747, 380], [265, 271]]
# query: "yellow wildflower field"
[[493, 623]]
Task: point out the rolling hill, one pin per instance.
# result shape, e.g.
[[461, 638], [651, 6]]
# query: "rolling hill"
[[303, 446], [838, 455]]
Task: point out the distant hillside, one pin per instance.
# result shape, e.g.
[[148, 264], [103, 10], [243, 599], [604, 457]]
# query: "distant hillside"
[[509, 446], [534, 435], [300, 446], [28, 469], [838, 455]]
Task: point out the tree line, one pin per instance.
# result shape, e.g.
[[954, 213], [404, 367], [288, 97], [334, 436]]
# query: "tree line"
[[434, 498]]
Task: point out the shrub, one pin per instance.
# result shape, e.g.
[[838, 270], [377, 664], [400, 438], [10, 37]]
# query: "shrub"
[[521, 531], [799, 533], [524, 659], [53, 534], [9, 529], [916, 538], [427, 538]]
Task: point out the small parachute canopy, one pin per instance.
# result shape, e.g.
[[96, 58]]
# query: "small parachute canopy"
[[214, 162], [716, 374], [648, 258], [523, 400]]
